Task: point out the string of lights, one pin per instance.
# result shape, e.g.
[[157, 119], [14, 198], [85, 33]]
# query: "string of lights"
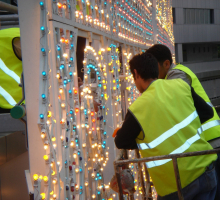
[[73, 119]]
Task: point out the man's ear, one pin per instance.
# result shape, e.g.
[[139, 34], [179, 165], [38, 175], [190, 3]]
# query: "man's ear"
[[166, 64], [135, 74]]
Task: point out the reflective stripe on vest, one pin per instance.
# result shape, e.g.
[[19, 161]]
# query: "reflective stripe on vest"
[[169, 133], [210, 104], [7, 97], [204, 127], [5, 69], [181, 149]]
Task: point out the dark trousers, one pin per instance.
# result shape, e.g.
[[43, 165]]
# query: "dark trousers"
[[217, 167], [203, 188]]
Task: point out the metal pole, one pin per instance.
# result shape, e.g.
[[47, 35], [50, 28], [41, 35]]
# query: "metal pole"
[[8, 7], [170, 156], [141, 174], [8, 17], [148, 186], [117, 174], [177, 176]]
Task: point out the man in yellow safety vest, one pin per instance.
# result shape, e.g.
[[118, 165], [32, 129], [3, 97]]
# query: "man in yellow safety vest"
[[10, 68], [166, 119], [168, 70]]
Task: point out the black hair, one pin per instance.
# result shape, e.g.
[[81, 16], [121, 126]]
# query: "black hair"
[[161, 53], [146, 66]]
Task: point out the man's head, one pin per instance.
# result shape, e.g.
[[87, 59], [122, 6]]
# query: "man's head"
[[144, 68], [164, 57]]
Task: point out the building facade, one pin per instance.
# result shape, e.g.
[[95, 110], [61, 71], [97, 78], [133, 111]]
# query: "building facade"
[[197, 41]]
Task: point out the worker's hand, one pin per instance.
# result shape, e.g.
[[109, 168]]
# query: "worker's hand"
[[115, 132], [96, 104]]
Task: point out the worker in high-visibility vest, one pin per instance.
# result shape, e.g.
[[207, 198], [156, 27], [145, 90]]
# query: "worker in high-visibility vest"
[[168, 70], [10, 68], [166, 119]]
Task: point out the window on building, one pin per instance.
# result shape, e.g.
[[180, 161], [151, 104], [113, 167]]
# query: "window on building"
[[201, 52], [174, 15], [198, 16]]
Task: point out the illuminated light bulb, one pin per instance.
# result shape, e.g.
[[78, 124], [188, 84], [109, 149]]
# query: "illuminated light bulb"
[[43, 195], [77, 170], [49, 114], [45, 178], [62, 105], [51, 193], [46, 157], [92, 113], [74, 155], [46, 145], [76, 110], [53, 173], [93, 120], [35, 177], [75, 91], [53, 139], [58, 75], [84, 145], [59, 5], [72, 144], [54, 181], [93, 196], [62, 121], [93, 175], [61, 90], [65, 55], [86, 183], [77, 187]]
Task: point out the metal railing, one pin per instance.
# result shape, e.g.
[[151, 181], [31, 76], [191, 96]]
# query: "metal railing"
[[175, 165]]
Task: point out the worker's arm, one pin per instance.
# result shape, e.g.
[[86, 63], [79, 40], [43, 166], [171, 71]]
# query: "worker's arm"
[[204, 111], [126, 135], [175, 73]]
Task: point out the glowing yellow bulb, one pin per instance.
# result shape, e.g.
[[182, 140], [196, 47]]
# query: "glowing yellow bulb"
[[41, 177], [46, 157], [35, 176], [109, 49], [76, 170], [53, 173], [51, 193], [93, 196], [99, 52], [103, 81], [104, 87], [49, 114], [43, 195], [86, 183], [53, 139], [45, 178]]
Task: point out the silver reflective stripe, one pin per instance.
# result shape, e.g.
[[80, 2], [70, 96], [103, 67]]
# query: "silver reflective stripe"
[[156, 163], [181, 149], [169, 133], [5, 69], [210, 104], [211, 124], [7, 96]]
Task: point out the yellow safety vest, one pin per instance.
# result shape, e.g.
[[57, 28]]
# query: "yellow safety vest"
[[170, 124], [212, 126], [10, 70]]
